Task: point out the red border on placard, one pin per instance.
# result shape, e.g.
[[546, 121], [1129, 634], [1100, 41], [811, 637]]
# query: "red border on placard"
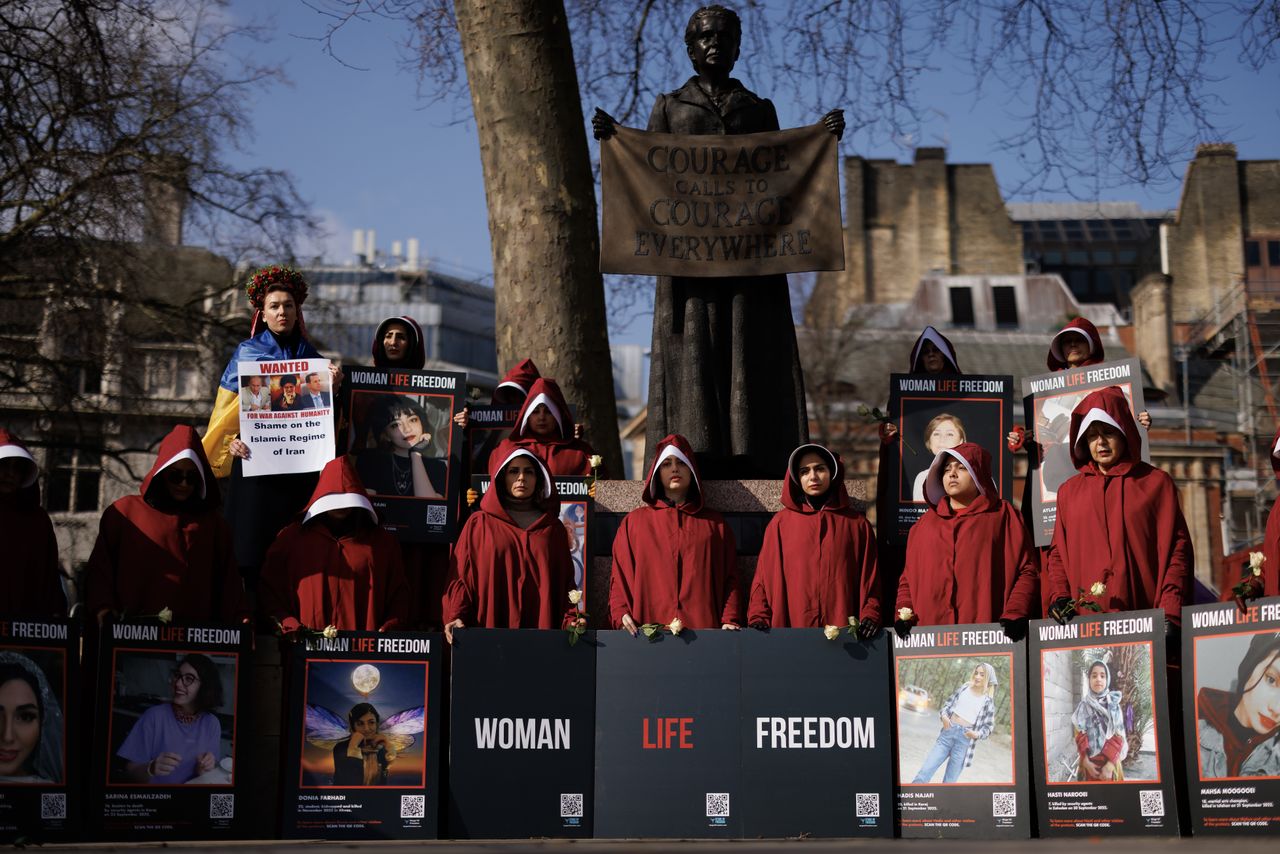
[[235, 719], [1013, 718], [306, 684], [998, 457], [1195, 695], [1151, 664]]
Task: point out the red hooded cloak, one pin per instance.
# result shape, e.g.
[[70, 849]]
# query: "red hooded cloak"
[[313, 577], [974, 565], [817, 567], [673, 561], [564, 455], [1123, 528], [153, 554], [515, 384], [503, 576], [33, 577], [1081, 326], [1271, 541]]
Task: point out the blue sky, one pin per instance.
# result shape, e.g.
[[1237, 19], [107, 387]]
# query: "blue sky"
[[368, 152]]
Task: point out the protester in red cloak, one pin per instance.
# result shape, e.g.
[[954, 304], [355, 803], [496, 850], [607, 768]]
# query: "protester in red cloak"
[[934, 354], [33, 579], [674, 557], [511, 567], [969, 558], [817, 565], [515, 385], [336, 566], [545, 426], [1119, 522], [168, 546]]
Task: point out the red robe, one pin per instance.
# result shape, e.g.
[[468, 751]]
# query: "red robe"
[[505, 577], [1271, 540], [975, 565], [1124, 528], [816, 567], [314, 578], [33, 576], [152, 555], [1081, 326], [564, 455], [673, 562]]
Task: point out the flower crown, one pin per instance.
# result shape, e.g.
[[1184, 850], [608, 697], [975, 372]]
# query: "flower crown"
[[287, 277]]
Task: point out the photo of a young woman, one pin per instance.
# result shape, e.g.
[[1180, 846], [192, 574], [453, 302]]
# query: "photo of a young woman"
[[1099, 727], [31, 730], [967, 717], [180, 739], [365, 758], [941, 433], [1238, 729], [405, 459]]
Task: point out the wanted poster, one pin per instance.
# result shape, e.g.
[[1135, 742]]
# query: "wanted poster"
[[286, 416]]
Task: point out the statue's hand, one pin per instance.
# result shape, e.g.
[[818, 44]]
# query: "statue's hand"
[[833, 122], [603, 125]]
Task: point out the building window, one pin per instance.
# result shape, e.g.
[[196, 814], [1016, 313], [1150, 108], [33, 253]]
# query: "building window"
[[172, 375], [1273, 253], [961, 306], [74, 481], [1252, 254], [1005, 300]]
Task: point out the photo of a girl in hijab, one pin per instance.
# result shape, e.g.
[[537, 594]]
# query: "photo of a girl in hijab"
[[967, 717], [1238, 729], [1098, 722], [400, 456], [31, 728]]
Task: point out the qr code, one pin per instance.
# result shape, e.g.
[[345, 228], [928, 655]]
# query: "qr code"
[[222, 806], [437, 514], [867, 804], [53, 805], [1151, 801], [1004, 804], [413, 806], [717, 804], [571, 806]]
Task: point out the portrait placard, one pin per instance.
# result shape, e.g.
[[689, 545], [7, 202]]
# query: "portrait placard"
[[40, 781], [1231, 705], [815, 724], [667, 735], [751, 204], [1048, 402], [362, 756], [934, 413], [521, 734], [286, 416], [167, 743], [407, 449], [1100, 726], [963, 770], [576, 510], [487, 426]]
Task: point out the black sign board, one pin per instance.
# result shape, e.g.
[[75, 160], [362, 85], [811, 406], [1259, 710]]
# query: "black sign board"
[[576, 506], [487, 426], [168, 739], [362, 756], [1049, 400], [407, 448], [932, 413], [1231, 691], [1100, 726], [961, 734], [39, 777], [521, 734], [667, 735], [815, 728]]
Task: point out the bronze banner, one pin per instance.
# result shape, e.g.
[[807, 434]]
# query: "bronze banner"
[[741, 205]]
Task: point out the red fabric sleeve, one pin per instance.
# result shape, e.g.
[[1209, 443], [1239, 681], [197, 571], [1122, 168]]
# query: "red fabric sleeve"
[[885, 438], [1018, 443], [1024, 594], [621, 576], [759, 608], [732, 612], [904, 596], [100, 573], [1176, 589], [279, 598], [1056, 580], [869, 584], [395, 602], [459, 602], [1111, 749]]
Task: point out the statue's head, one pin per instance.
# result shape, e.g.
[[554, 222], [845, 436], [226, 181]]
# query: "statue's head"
[[712, 38]]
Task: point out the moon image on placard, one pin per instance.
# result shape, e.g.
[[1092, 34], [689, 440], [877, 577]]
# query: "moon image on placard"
[[365, 678]]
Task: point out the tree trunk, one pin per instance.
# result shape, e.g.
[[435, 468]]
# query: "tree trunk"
[[542, 204]]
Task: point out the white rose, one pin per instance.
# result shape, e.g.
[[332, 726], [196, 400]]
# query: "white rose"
[[1256, 560], [905, 614], [165, 615], [575, 596], [596, 461], [676, 626], [853, 621], [330, 631], [831, 632], [1097, 589]]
